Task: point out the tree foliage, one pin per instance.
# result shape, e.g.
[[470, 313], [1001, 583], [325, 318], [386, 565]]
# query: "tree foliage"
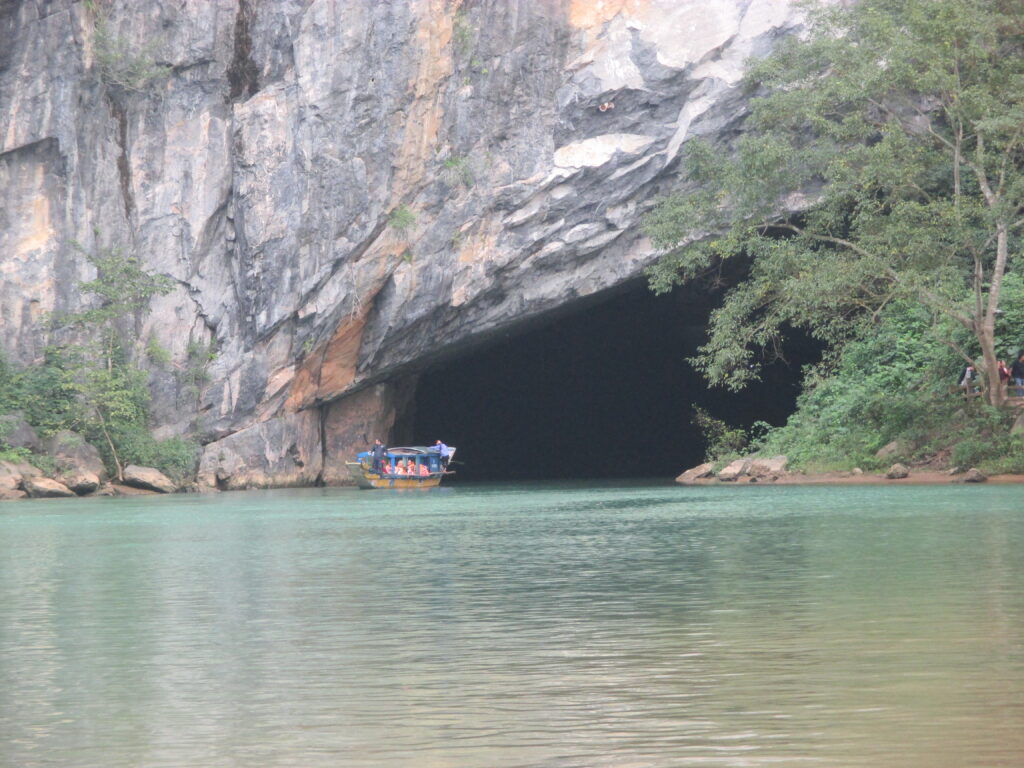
[[882, 163], [895, 385], [92, 385]]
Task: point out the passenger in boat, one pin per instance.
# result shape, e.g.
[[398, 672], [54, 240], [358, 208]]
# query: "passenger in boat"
[[424, 470], [399, 469]]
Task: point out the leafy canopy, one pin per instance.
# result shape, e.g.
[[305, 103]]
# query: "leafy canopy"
[[884, 163]]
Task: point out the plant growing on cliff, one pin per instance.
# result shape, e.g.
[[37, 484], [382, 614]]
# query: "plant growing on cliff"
[[193, 373], [118, 61], [462, 34], [456, 171], [896, 130], [402, 219]]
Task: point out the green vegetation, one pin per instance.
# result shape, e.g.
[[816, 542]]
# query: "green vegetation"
[[901, 121], [7, 452], [720, 439], [402, 219], [90, 385], [878, 198], [117, 60], [157, 352], [462, 34], [456, 171], [895, 385], [193, 374]]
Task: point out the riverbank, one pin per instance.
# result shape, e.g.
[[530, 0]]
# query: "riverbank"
[[776, 471], [913, 478]]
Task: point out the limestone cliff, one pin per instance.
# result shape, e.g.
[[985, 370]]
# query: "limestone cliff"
[[343, 190]]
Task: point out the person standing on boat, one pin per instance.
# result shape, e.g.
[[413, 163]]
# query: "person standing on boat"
[[378, 456], [445, 452]]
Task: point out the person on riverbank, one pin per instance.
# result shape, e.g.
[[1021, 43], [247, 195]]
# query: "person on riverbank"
[[378, 452], [1004, 373], [1017, 372], [967, 380]]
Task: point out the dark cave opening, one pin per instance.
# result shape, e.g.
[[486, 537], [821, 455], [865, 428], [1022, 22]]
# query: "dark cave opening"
[[604, 392]]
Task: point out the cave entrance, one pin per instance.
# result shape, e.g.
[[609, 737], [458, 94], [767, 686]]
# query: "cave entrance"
[[600, 391]]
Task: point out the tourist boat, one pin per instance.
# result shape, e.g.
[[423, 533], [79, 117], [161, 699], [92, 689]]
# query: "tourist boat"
[[415, 456]]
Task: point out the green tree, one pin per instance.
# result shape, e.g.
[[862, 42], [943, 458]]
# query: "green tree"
[[111, 391], [884, 163]]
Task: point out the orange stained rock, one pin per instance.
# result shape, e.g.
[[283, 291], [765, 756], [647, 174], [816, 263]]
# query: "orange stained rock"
[[585, 14], [326, 374]]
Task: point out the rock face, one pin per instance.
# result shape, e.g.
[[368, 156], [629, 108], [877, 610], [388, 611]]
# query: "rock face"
[[262, 170], [279, 452]]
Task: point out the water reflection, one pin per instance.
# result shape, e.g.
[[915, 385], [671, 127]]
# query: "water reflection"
[[515, 626]]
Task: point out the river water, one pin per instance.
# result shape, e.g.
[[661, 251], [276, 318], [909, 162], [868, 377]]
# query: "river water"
[[528, 625]]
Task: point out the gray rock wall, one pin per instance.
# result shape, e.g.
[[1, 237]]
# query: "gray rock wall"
[[260, 172]]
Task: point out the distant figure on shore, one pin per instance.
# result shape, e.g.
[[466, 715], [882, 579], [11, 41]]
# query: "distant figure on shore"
[[967, 380], [1017, 372], [445, 452], [378, 456], [1004, 373]]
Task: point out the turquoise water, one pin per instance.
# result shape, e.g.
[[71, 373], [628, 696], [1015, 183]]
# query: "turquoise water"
[[516, 626]]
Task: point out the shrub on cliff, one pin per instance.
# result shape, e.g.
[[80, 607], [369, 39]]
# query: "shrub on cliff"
[[118, 61]]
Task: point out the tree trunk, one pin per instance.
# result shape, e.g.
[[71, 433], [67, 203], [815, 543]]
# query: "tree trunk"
[[113, 450], [995, 394], [986, 330]]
